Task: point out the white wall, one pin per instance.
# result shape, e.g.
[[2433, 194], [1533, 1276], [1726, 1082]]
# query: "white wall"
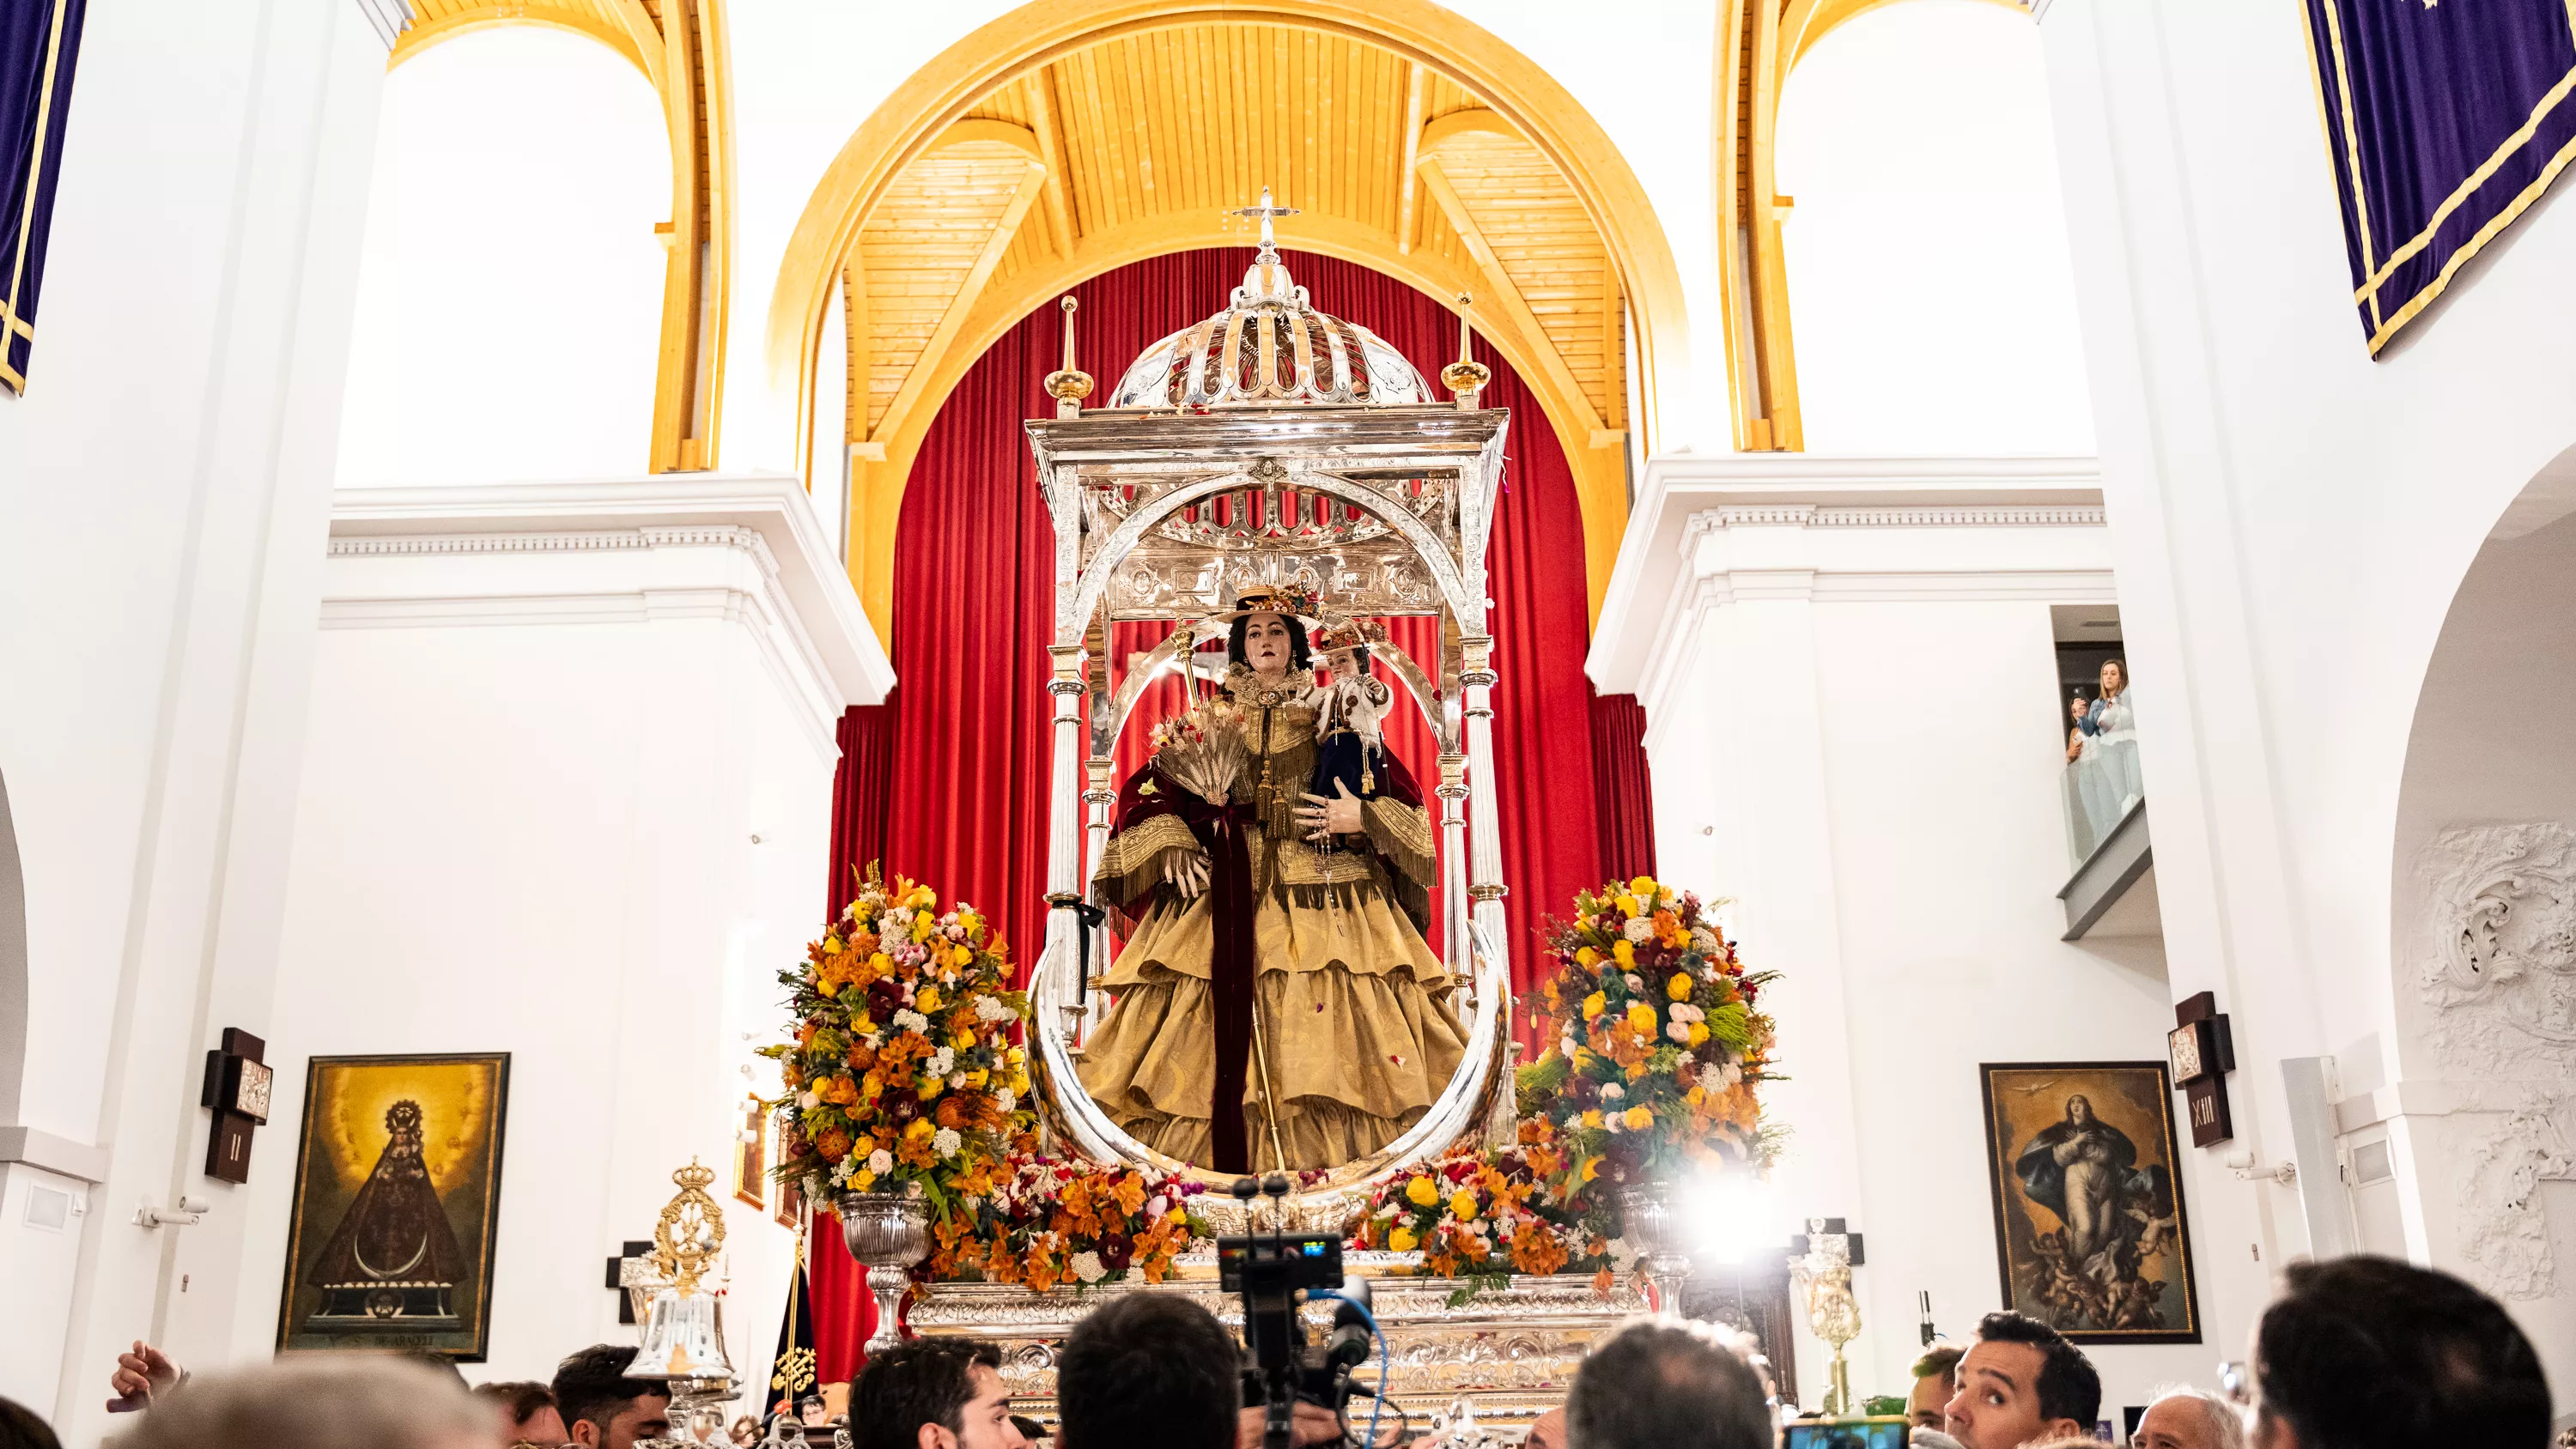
[[2291, 517], [1929, 281], [567, 795], [163, 491], [1851, 684], [510, 289]]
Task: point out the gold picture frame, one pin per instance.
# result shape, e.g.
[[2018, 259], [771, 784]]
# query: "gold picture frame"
[[2090, 1231], [396, 1205]]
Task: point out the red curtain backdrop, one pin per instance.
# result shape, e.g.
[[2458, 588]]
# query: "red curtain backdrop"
[[1623, 791], [947, 781]]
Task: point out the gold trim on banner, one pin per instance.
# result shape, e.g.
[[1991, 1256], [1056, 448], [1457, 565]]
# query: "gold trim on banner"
[[2503, 153], [2385, 325], [16, 380]]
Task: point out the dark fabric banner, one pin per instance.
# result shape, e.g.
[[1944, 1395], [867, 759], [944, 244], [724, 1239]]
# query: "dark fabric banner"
[[2446, 122], [38, 41]]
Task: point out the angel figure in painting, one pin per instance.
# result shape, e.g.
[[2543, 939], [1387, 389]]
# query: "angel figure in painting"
[[1276, 1003]]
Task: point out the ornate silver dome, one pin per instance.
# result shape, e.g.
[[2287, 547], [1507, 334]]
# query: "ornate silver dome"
[[1269, 346]]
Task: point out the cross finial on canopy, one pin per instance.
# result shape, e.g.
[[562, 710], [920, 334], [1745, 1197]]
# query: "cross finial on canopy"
[[1267, 212]]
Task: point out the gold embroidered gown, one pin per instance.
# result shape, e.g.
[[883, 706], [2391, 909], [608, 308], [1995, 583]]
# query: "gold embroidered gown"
[[1353, 1027]]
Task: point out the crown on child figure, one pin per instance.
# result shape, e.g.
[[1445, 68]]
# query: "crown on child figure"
[[1349, 634]]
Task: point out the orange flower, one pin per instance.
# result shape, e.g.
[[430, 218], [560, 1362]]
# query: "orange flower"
[[1131, 1193], [1602, 1281], [861, 1056], [833, 1143], [1536, 1250]]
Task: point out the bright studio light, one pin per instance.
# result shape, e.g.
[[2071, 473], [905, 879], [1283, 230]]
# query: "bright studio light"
[[1733, 1215]]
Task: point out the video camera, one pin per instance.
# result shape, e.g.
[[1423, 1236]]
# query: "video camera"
[[1273, 1273]]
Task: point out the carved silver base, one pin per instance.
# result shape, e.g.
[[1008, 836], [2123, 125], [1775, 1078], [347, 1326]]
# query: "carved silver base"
[[1512, 1352]]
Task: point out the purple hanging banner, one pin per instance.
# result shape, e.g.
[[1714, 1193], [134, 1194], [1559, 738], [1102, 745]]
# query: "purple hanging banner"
[[38, 42], [2446, 122]]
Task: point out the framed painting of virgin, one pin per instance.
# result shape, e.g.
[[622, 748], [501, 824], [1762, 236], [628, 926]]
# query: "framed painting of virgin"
[[397, 1199], [2089, 1227]]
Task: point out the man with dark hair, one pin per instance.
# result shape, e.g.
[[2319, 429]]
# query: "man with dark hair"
[[2022, 1381], [1148, 1368], [1936, 1382], [528, 1413], [604, 1409], [934, 1393], [1662, 1383], [2372, 1353]]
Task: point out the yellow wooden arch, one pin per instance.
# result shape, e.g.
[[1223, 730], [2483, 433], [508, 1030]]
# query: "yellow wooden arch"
[[681, 47], [1438, 245], [1758, 44]]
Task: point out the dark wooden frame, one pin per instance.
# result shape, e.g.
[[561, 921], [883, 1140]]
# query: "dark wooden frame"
[[1997, 1170], [487, 1250]]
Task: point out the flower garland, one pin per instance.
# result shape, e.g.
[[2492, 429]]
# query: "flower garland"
[[902, 1070], [1658, 1047], [1488, 1213], [1048, 1222]]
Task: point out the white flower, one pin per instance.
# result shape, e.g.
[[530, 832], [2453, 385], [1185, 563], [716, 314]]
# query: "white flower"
[[880, 1162], [1610, 1122], [1613, 1092], [956, 1080], [1730, 1074], [1005, 1099], [1155, 1206], [1634, 984], [1684, 1011], [808, 1101], [1639, 929], [993, 1008], [946, 1142], [1678, 1031], [941, 1063], [841, 1173], [1087, 1267], [911, 1020]]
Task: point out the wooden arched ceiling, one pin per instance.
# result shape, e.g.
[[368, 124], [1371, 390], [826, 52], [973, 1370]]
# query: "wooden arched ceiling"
[[1138, 144], [680, 47]]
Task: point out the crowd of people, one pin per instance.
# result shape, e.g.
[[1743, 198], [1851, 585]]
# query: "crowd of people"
[[2355, 1353]]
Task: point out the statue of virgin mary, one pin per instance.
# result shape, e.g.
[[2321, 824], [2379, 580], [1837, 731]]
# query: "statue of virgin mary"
[[1276, 1003]]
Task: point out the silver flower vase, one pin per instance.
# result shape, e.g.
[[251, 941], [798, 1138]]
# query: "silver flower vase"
[[1651, 1224], [888, 1232]]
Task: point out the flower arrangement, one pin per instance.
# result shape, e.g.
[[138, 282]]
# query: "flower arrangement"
[[1048, 1222], [1201, 749], [1658, 1046], [1485, 1214], [902, 1071]]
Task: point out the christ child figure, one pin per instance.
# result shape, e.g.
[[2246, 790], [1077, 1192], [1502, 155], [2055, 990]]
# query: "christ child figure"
[[1350, 713]]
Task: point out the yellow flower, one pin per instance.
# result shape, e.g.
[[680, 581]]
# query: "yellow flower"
[[1587, 957], [922, 926], [1462, 1206], [922, 896], [1642, 1017], [1679, 988], [1695, 1095], [1643, 885], [1627, 905], [1591, 1117], [828, 987], [926, 1000], [1593, 1005], [921, 1127], [1638, 1119], [881, 963], [978, 1077], [1698, 1032], [1624, 952], [1402, 1239], [1019, 1084], [1014, 1055], [832, 946], [961, 957], [862, 1178], [1422, 1192], [1591, 1168]]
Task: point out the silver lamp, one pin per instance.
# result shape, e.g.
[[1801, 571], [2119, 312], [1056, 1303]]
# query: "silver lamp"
[[684, 1331]]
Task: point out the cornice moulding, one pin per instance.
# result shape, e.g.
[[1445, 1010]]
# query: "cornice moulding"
[[765, 517], [1682, 499]]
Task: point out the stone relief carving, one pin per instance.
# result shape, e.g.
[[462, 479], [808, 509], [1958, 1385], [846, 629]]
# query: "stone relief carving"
[[2502, 982], [2498, 998]]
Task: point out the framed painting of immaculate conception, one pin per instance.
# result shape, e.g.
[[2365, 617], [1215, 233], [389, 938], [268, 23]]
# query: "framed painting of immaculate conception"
[[397, 1195], [2089, 1225]]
